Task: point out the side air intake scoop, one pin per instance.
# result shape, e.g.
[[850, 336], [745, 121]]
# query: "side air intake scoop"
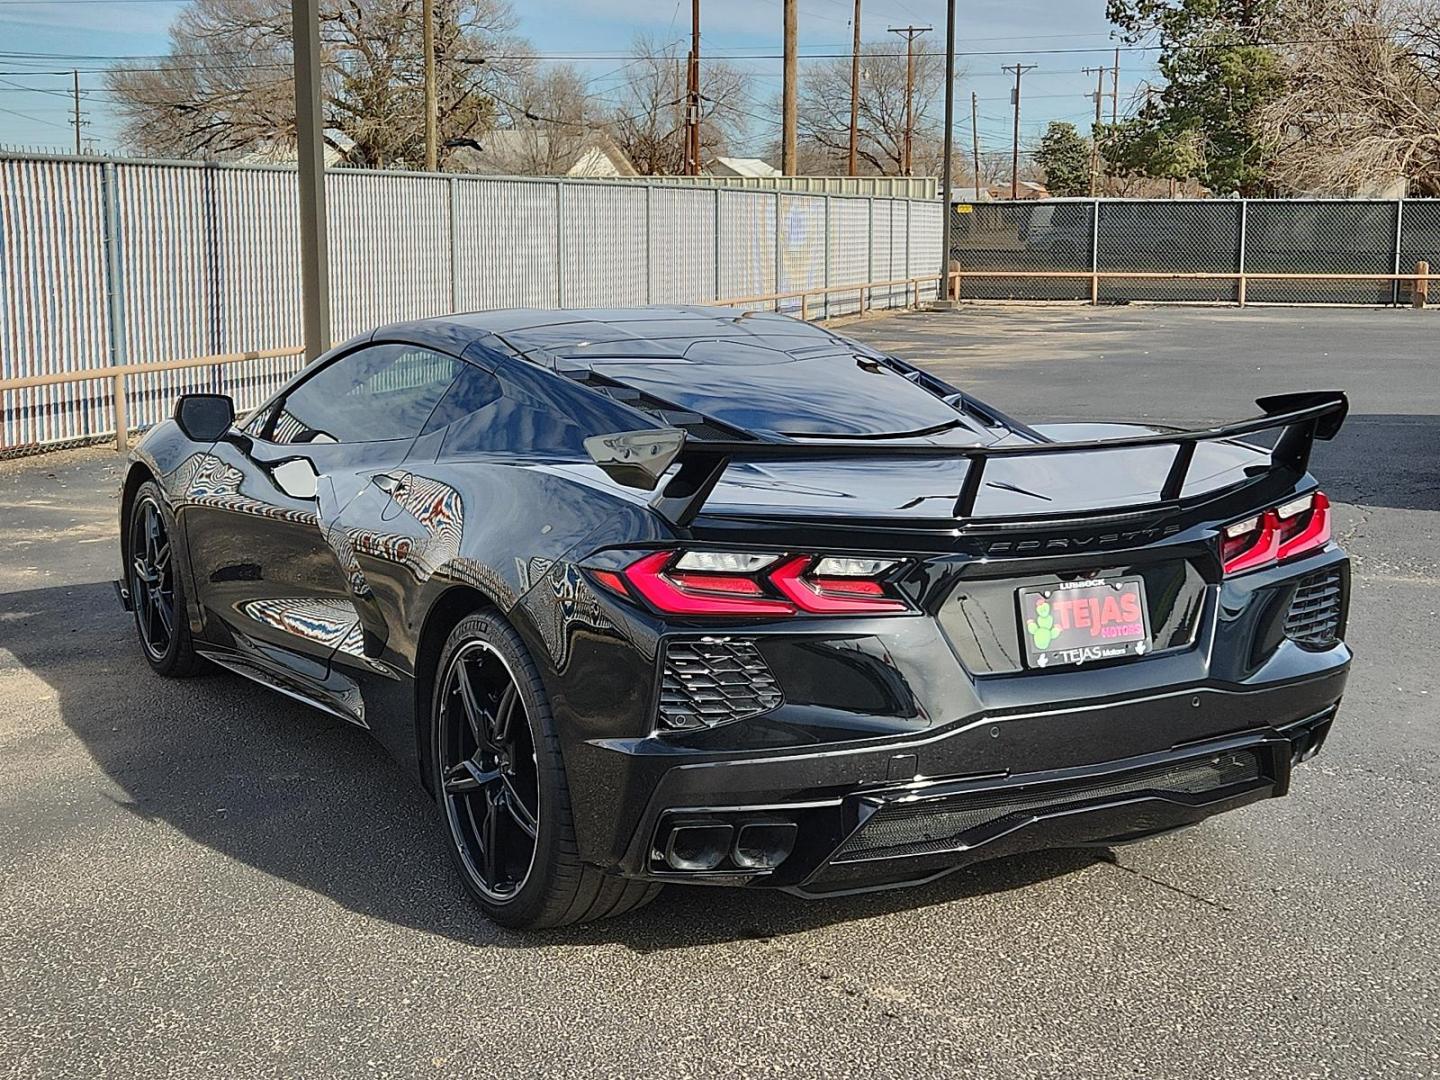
[[636, 458]]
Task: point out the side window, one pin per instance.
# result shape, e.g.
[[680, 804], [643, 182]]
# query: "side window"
[[374, 394], [473, 389]]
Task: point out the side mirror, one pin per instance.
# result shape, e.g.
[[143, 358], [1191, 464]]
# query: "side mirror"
[[204, 417]]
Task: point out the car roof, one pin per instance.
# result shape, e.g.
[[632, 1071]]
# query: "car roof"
[[760, 372], [548, 334]]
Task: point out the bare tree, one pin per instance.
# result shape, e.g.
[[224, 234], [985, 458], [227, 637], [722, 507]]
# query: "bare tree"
[[226, 86], [1361, 108], [648, 121], [549, 121], [825, 111]]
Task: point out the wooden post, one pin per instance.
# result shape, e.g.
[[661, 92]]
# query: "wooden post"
[[953, 285], [1240, 291], [1420, 290], [804, 307]]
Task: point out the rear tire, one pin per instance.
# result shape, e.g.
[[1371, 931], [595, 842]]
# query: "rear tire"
[[157, 589], [499, 779]]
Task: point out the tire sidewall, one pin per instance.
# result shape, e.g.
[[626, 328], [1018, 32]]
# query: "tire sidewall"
[[166, 663], [529, 904]]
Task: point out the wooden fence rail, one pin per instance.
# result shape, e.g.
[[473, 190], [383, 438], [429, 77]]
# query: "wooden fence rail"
[[119, 374]]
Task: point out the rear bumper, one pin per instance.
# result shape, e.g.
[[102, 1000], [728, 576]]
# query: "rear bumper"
[[908, 811]]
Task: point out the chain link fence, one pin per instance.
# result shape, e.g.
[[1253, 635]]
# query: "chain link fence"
[[1205, 250]]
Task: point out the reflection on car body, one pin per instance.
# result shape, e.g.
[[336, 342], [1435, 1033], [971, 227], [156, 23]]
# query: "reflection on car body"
[[696, 596]]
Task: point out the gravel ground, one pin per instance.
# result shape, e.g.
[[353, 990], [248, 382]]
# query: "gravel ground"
[[203, 878]]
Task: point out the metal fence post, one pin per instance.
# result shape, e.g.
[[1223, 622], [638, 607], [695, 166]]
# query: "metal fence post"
[[1095, 254], [454, 192], [779, 258], [1399, 225], [649, 249], [908, 206], [115, 303], [715, 209], [559, 244], [825, 280], [869, 250], [1242, 283]]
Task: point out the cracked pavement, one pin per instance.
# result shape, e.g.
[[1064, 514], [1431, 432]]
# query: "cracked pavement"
[[204, 878]]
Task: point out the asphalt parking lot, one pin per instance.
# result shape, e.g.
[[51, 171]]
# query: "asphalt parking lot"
[[203, 878]]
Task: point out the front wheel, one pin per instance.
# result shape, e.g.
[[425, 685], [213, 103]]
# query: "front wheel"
[[501, 785], [157, 591]]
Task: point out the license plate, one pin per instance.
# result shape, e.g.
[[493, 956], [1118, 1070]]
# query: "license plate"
[[1076, 622]]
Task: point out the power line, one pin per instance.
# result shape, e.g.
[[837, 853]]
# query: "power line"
[[498, 57]]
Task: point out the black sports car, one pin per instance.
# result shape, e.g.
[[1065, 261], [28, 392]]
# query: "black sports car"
[[692, 595]]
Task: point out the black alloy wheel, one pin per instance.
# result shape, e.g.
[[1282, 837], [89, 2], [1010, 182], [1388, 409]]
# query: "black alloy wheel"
[[157, 591], [152, 578], [497, 770], [488, 772]]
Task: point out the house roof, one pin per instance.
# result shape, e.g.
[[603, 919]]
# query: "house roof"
[[516, 151], [736, 166]]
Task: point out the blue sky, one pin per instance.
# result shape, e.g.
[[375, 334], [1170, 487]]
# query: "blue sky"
[[1060, 36]]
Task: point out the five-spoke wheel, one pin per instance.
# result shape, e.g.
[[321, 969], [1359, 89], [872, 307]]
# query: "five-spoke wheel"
[[498, 771], [157, 592], [488, 771], [152, 577]]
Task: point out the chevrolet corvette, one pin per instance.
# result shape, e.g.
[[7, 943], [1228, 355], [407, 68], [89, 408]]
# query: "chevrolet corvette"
[[694, 595]]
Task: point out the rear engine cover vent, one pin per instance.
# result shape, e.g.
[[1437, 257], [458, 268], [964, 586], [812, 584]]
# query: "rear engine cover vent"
[[1317, 611], [708, 681]]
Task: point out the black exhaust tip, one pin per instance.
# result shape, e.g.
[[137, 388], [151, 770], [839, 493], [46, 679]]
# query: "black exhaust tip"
[[701, 846], [764, 845]]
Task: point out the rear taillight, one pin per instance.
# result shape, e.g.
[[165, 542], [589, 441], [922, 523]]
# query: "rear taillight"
[[804, 584], [711, 583], [1292, 529], [698, 592]]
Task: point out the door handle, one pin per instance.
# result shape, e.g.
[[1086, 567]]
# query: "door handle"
[[391, 484]]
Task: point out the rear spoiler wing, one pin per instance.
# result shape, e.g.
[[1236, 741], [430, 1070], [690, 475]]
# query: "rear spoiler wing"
[[641, 458]]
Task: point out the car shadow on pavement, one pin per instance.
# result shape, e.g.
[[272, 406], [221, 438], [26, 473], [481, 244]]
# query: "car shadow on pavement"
[[308, 799]]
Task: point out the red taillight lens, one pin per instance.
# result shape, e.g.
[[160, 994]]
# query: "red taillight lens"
[[1249, 548], [830, 595], [689, 592], [1283, 532], [1306, 531], [745, 584]]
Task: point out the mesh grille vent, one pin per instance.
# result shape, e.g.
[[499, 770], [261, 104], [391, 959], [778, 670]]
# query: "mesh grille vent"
[[1315, 614], [714, 680]]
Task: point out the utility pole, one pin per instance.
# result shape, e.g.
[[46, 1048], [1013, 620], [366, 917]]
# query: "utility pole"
[[1019, 70], [910, 33], [855, 91], [789, 100], [1115, 89], [1099, 96], [76, 75], [432, 120], [948, 210], [692, 109], [975, 136]]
